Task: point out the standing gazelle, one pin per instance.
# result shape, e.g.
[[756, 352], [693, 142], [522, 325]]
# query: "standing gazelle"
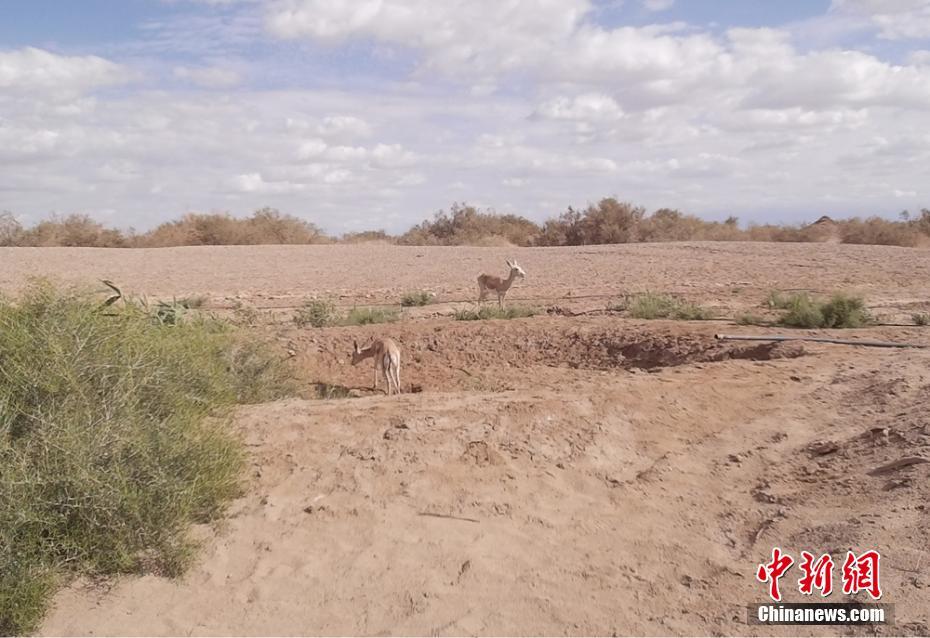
[[387, 359], [487, 283]]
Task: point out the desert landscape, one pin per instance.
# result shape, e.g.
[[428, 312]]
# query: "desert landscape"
[[575, 472]]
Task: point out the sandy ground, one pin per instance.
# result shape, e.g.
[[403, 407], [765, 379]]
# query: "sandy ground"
[[559, 475]]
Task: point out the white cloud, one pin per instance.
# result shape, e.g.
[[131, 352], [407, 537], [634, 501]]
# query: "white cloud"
[[588, 106], [559, 43], [343, 126], [658, 5], [36, 70], [894, 19], [208, 77], [516, 101], [482, 35]]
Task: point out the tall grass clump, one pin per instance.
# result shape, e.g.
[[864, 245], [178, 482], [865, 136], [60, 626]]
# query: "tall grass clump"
[[921, 319], [494, 312], [803, 311], [112, 439]]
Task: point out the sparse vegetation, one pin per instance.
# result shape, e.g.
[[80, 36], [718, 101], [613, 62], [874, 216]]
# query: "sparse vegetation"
[[246, 316], [777, 300], [330, 391], [494, 312], [803, 311], [321, 313], [368, 315], [417, 298], [317, 313], [751, 320], [658, 306], [921, 319], [113, 438]]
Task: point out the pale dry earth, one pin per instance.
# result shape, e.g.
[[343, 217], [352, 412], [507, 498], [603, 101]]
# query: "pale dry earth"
[[273, 276], [559, 475]]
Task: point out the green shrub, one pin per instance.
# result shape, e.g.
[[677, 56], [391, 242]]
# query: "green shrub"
[[800, 311], [417, 298], [112, 439], [921, 319], [494, 312], [368, 315], [840, 311], [317, 313], [650, 306], [322, 313], [657, 306], [687, 311], [845, 311]]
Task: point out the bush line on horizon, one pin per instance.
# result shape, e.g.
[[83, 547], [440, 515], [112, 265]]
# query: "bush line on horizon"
[[609, 221]]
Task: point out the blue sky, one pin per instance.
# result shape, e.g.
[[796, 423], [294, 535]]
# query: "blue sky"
[[375, 113]]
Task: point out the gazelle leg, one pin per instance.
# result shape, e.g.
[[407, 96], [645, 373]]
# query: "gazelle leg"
[[376, 377]]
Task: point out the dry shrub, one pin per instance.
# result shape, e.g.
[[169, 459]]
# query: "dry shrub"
[[367, 237], [265, 226], [672, 225], [73, 230], [878, 231], [466, 225], [10, 229], [607, 222]]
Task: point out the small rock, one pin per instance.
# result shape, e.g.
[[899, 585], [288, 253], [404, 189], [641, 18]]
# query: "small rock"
[[822, 448]]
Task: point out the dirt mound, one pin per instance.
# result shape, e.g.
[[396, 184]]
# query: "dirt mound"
[[445, 355], [547, 509]]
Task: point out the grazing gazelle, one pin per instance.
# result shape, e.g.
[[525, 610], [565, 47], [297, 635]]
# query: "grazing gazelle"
[[387, 359], [487, 283]]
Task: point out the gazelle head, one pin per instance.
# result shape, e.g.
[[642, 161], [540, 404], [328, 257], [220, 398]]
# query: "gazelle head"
[[356, 352], [515, 270]]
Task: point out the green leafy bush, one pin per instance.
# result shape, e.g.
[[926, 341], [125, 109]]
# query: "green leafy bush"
[[112, 439], [840, 311]]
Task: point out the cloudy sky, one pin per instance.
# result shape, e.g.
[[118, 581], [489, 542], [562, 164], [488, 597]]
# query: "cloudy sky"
[[363, 114]]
